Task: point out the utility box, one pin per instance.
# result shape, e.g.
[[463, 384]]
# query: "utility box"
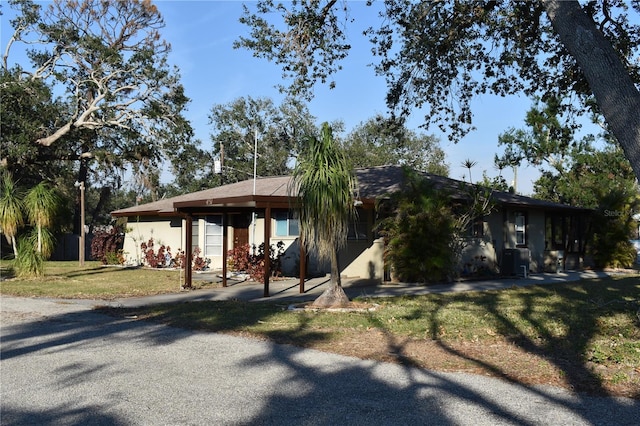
[[515, 262]]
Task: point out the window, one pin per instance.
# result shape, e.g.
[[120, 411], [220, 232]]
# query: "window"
[[195, 233], [286, 225], [357, 229], [476, 229], [213, 236], [521, 229]]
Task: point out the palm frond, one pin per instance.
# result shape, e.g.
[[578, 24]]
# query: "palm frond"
[[324, 184], [11, 206]]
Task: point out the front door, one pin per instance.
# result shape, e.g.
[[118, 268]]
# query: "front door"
[[240, 230]]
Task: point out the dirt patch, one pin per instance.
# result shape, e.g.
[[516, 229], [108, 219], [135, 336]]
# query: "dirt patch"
[[499, 359], [351, 307], [502, 359]]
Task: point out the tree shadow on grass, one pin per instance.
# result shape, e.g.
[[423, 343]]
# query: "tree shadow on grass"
[[565, 347]]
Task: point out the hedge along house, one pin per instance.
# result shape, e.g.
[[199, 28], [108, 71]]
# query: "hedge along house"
[[519, 235]]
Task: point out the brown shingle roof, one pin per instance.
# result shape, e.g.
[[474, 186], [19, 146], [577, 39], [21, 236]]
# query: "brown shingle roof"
[[373, 183]]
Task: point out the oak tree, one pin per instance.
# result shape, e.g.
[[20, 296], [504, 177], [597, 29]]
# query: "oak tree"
[[439, 55], [382, 141]]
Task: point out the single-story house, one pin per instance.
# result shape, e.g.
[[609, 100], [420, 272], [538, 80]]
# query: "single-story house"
[[520, 235]]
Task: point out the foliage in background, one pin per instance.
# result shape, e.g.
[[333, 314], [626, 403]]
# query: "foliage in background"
[[438, 57], [106, 246], [383, 141], [281, 131], [118, 103]]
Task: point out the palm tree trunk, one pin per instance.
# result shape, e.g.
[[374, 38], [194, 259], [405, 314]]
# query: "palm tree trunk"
[[15, 246], [334, 296], [39, 239]]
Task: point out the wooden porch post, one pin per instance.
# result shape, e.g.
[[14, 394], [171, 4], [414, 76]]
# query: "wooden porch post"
[[303, 265], [188, 251], [267, 256], [225, 248]]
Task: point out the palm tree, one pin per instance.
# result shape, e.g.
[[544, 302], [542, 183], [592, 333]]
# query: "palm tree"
[[324, 184], [41, 203], [469, 164], [11, 205]]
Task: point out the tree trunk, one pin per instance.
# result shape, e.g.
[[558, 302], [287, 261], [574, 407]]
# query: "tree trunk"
[[105, 195], [334, 296], [15, 246], [39, 239], [609, 80]]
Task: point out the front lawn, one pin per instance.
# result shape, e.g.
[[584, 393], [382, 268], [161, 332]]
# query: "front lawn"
[[93, 280]]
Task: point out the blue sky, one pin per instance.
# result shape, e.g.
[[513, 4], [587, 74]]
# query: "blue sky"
[[202, 32]]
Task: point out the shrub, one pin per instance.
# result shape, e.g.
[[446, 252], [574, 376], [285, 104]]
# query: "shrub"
[[418, 234], [153, 259], [106, 246], [28, 263], [199, 263], [116, 258], [241, 259]]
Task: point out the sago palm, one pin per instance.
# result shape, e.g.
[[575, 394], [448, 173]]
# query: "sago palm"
[[11, 205], [324, 185]]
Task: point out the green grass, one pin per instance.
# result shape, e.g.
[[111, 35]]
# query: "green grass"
[[68, 280]]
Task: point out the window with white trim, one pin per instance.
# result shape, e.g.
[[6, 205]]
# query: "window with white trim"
[[286, 224], [213, 236], [521, 229]]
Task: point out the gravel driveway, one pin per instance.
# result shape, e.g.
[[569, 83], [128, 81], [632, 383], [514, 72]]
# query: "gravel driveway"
[[63, 364]]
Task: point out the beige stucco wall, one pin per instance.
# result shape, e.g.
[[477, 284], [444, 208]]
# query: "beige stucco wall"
[[535, 229], [479, 253], [363, 260], [164, 231], [360, 259]]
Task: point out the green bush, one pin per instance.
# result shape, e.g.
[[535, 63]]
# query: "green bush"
[[613, 226], [28, 263], [419, 233]]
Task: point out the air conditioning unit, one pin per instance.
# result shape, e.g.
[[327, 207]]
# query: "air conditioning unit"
[[515, 262]]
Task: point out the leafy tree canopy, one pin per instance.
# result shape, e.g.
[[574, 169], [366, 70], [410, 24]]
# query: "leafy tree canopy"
[[97, 98], [280, 131], [573, 171], [380, 141], [439, 55], [109, 60], [581, 173]]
